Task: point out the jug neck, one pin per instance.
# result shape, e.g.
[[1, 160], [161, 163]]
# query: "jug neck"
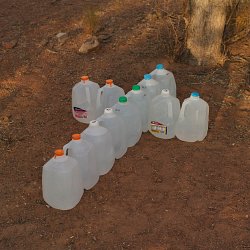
[[109, 83], [161, 72], [77, 141], [60, 158], [84, 79], [136, 92], [194, 97], [84, 82]]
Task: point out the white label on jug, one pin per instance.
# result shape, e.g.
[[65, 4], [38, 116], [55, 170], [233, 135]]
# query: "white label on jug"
[[80, 113], [159, 128]]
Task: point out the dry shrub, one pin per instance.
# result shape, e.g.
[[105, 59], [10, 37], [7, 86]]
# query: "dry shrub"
[[91, 20], [172, 28], [238, 22]]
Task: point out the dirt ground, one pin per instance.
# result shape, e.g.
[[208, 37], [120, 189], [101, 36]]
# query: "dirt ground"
[[161, 194]]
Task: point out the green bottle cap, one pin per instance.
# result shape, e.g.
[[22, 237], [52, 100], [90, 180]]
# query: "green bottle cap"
[[136, 87], [123, 99]]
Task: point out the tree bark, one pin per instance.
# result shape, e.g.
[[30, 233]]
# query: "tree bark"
[[205, 30]]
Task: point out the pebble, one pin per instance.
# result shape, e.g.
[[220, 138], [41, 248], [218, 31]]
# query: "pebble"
[[62, 37], [89, 44]]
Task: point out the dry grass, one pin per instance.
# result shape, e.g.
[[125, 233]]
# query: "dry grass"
[[91, 21], [238, 23], [172, 25]]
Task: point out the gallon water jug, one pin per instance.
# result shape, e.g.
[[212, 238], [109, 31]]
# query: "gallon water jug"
[[165, 78], [101, 138], [163, 115], [108, 95], [116, 127], [84, 100], [192, 124], [62, 182], [150, 86], [131, 118], [84, 152], [140, 99]]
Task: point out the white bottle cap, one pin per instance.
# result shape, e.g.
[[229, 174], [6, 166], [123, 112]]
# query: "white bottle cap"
[[165, 92], [94, 123], [108, 111]]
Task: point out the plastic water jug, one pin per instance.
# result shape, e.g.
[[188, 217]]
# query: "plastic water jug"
[[131, 118], [150, 86], [116, 127], [108, 95], [140, 99], [101, 138], [163, 115], [62, 182], [192, 124], [84, 100], [165, 78], [84, 152]]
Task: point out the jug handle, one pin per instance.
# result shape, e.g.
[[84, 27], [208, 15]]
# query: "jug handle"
[[184, 105], [67, 152], [170, 109], [98, 98], [88, 94]]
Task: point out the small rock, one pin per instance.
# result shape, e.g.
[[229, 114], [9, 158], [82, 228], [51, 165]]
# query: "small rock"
[[104, 37], [44, 42], [62, 37], [9, 44], [89, 44]]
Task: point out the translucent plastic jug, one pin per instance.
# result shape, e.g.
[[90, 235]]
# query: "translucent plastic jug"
[[163, 115], [165, 78], [140, 99], [62, 182], [150, 86], [84, 152], [131, 118], [108, 95], [84, 100], [192, 124], [116, 127], [101, 138]]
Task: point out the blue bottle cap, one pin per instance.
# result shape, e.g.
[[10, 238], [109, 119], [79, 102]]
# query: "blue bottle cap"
[[147, 77], [195, 94], [159, 66]]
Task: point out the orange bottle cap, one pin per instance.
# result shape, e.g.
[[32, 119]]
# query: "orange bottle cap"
[[85, 78], [59, 152], [109, 81], [76, 136]]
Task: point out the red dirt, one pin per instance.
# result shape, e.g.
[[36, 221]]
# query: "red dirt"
[[161, 194]]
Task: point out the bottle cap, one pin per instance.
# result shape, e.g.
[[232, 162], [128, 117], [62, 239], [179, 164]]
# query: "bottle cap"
[[59, 152], [147, 77], [165, 92], [108, 111], [195, 94], [94, 123], [85, 78], [136, 87], [76, 137], [109, 82], [123, 99], [159, 66]]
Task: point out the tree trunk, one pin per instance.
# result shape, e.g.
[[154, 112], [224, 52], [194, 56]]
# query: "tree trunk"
[[205, 30]]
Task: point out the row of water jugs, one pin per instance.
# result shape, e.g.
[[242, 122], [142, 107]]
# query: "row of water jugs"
[[114, 126]]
